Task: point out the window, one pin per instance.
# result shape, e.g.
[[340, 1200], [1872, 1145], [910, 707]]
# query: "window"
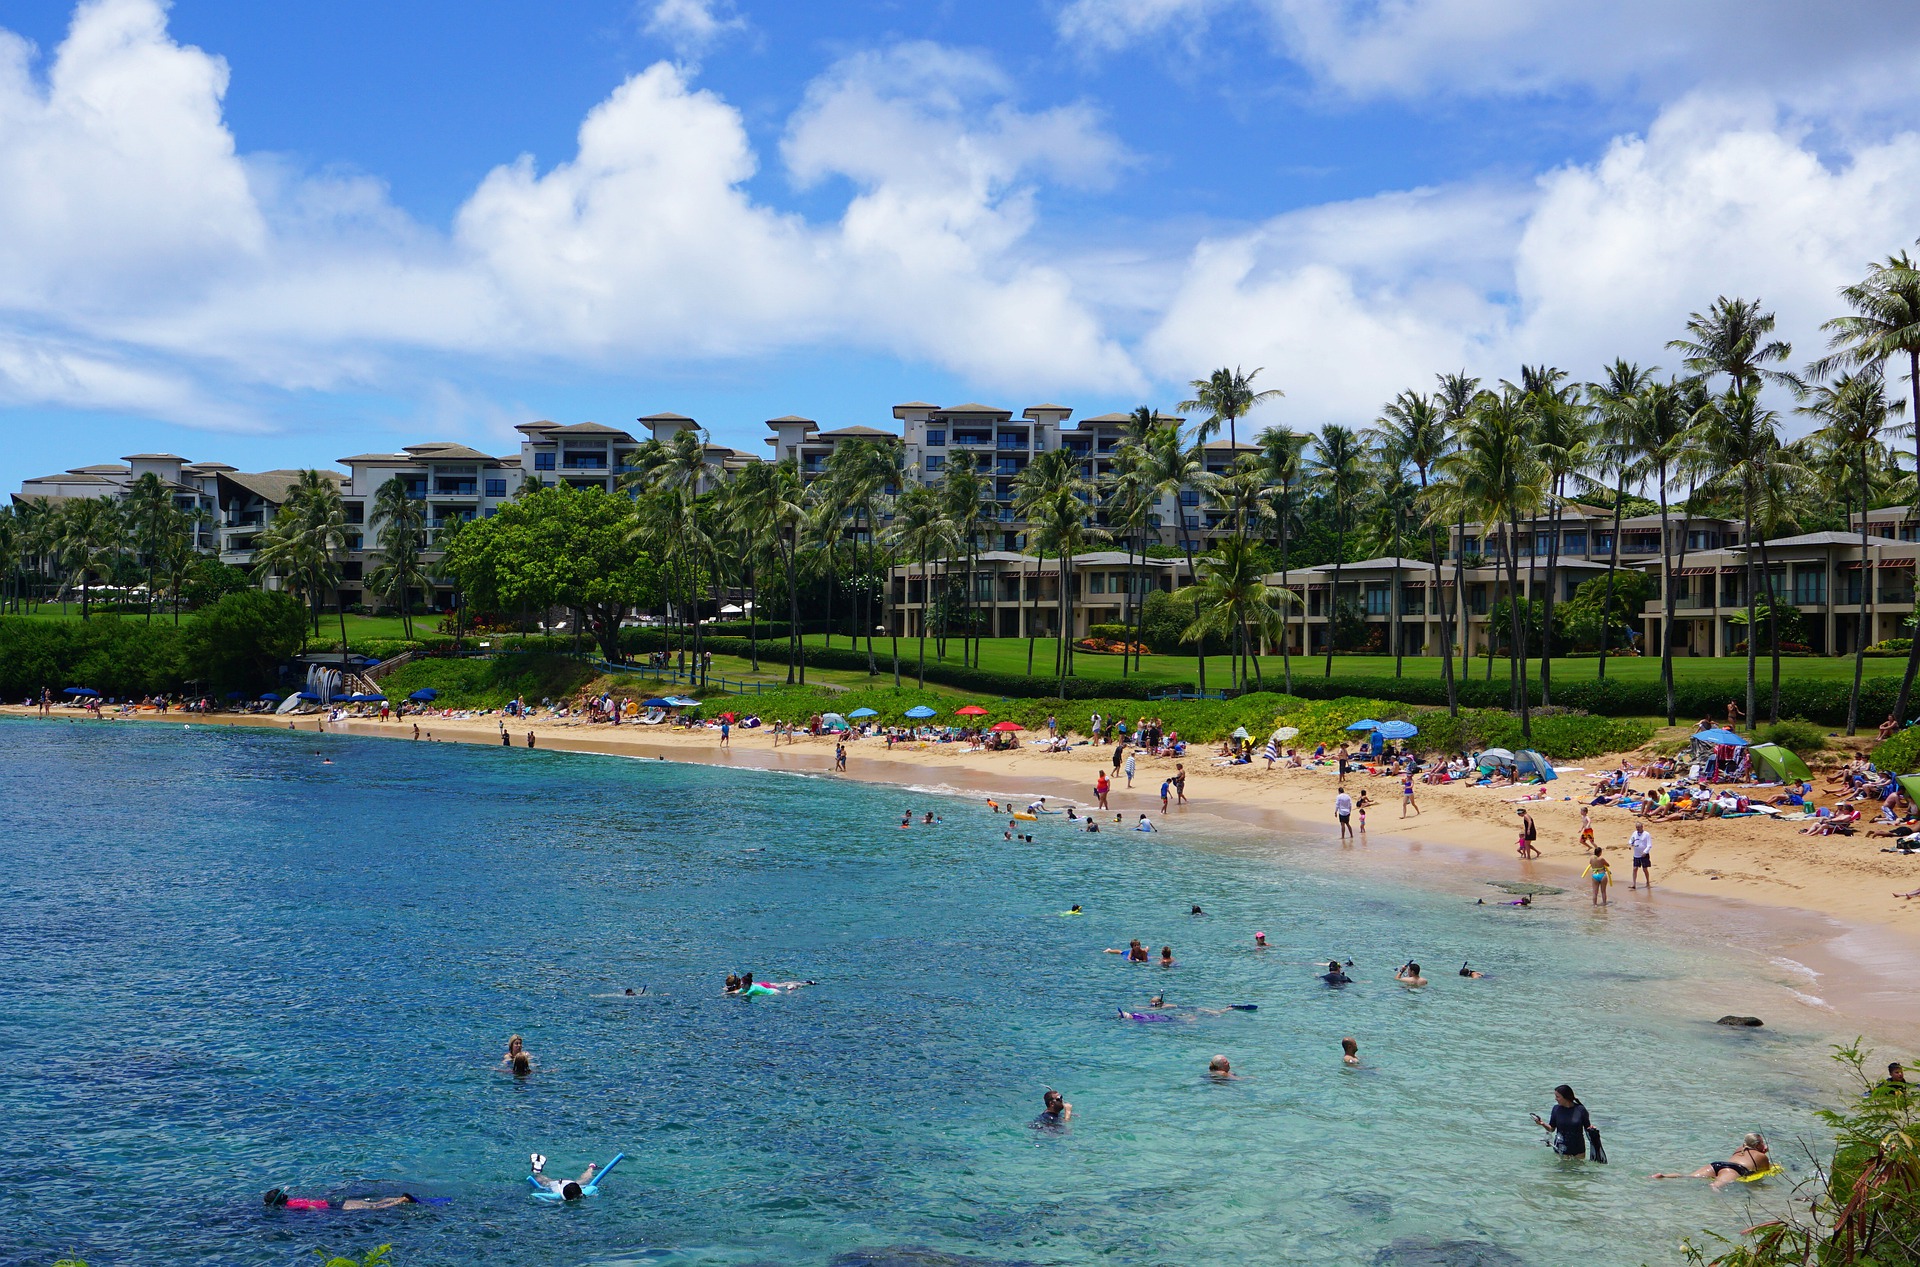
[[1188, 497], [1376, 600], [1097, 583], [1809, 587], [1575, 543], [937, 439], [543, 461], [356, 512], [936, 462], [496, 488]]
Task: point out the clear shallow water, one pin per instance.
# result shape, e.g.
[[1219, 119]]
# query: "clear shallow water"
[[229, 966]]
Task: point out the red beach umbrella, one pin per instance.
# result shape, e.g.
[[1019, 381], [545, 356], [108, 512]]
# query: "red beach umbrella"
[[971, 710], [1008, 727]]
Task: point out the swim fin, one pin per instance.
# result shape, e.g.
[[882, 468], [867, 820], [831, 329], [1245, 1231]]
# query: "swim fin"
[[1595, 1149]]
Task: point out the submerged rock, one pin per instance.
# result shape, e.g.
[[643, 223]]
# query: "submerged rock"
[[914, 1256], [1744, 1022], [1414, 1252]]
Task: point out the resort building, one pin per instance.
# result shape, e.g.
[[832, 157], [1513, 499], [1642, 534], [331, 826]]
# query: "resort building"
[[1018, 596], [191, 485]]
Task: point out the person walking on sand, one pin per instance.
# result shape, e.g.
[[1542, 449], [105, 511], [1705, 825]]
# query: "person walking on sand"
[[1180, 781], [1129, 768], [1528, 834], [1641, 843], [1343, 811], [1586, 827], [1101, 786], [1600, 875], [1406, 794], [726, 733]]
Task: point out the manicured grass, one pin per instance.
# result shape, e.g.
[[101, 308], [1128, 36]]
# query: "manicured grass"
[[1009, 655]]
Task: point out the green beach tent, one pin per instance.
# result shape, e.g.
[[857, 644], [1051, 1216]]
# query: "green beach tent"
[[1910, 784], [1779, 763]]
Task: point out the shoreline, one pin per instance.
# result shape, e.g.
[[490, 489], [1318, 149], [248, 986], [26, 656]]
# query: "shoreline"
[[1801, 904]]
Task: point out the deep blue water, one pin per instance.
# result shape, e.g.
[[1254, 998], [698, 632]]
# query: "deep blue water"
[[229, 966]]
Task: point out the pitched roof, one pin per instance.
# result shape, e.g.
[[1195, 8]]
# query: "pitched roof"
[[785, 419], [208, 468], [855, 432], [271, 486], [597, 429], [976, 409], [99, 468], [446, 451], [1031, 410], [153, 457], [542, 425], [368, 459], [69, 477], [663, 417], [1105, 418]]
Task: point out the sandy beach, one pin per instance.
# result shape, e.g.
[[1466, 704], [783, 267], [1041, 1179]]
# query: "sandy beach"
[[1824, 901]]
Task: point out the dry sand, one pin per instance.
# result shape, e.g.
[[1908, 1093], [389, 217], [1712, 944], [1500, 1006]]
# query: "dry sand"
[[1826, 900]]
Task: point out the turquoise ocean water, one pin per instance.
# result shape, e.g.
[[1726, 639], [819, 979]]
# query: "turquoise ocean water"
[[229, 966]]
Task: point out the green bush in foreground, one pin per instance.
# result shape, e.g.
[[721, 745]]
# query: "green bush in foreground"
[[1900, 754], [489, 683], [1795, 734], [1860, 1207]]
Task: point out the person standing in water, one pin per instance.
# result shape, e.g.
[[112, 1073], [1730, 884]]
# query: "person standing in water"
[[1600, 875], [1641, 842], [1528, 834], [1055, 1111], [1349, 1051], [1567, 1122], [1343, 811]]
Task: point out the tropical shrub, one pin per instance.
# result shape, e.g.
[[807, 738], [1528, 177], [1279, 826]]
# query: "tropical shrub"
[[116, 656], [1796, 734], [476, 682], [1901, 753], [1890, 647], [240, 642]]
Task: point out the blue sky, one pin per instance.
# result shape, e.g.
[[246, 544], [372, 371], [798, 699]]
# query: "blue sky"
[[275, 235]]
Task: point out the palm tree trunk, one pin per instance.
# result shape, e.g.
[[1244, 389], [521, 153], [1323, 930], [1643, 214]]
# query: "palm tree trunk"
[[1746, 501], [1519, 634], [1555, 518], [1028, 601], [1286, 616], [924, 592], [1913, 416], [1333, 595], [753, 617], [1613, 564], [1860, 611], [1669, 584], [1773, 630], [1193, 580], [1393, 600]]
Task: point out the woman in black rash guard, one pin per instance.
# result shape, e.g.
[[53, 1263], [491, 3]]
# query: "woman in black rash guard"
[[1568, 1121]]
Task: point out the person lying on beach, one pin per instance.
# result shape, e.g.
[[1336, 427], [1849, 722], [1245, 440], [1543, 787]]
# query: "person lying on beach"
[[569, 1189], [1409, 976], [1748, 1160]]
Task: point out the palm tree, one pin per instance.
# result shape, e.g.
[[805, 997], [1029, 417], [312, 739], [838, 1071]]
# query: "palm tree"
[[1661, 434], [768, 499], [149, 512], [1244, 493], [1731, 338], [1129, 499], [1853, 412], [1414, 433], [1334, 467], [1455, 400], [1282, 448], [963, 495], [1173, 469], [922, 533], [1496, 474], [1885, 323], [1060, 527], [88, 534], [1226, 395], [1048, 475], [1746, 440], [1233, 597], [1615, 402], [401, 522]]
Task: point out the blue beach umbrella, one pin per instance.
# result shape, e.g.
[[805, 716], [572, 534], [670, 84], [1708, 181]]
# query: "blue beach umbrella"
[[1719, 736], [1396, 730], [424, 694], [87, 691], [270, 697], [306, 695], [1365, 723], [864, 712], [681, 701], [919, 711], [656, 703]]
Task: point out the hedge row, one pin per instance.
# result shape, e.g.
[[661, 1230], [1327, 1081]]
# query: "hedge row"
[[113, 655]]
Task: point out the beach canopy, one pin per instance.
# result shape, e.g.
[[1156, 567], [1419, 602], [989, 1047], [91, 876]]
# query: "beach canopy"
[[82, 690], [920, 711], [656, 703], [1528, 759], [681, 701], [1008, 727], [1240, 732], [1781, 763], [833, 717], [1910, 784], [971, 710], [1496, 756], [270, 696], [1718, 736], [307, 695], [424, 694], [1365, 723], [864, 712], [1397, 730], [1286, 732]]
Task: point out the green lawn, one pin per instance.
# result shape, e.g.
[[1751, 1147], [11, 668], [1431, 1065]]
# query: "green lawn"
[[1009, 655]]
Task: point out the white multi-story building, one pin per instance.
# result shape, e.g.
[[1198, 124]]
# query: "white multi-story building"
[[191, 484]]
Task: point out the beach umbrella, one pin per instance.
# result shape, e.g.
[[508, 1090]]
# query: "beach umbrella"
[[920, 711], [681, 701], [87, 691], [864, 712], [1496, 756], [306, 695], [1285, 733], [656, 703], [833, 717], [1782, 763], [235, 694], [424, 694], [728, 716], [1719, 736], [270, 697], [971, 710], [1528, 759], [1007, 727], [1910, 784], [1365, 723], [1240, 732], [1396, 730]]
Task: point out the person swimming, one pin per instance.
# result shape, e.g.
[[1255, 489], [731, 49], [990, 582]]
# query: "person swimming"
[[1409, 975], [516, 1051], [1166, 956], [1748, 1160], [1525, 899], [1469, 972], [1260, 941], [1145, 824], [1220, 1068], [1196, 910], [1335, 974], [1073, 910], [1349, 1051], [521, 1064], [1135, 952], [277, 1198], [569, 1189], [929, 820], [1055, 1111]]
